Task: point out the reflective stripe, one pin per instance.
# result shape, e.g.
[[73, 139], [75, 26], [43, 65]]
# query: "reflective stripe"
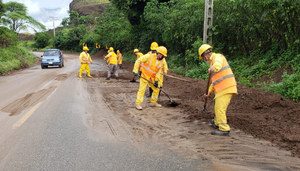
[[226, 67], [148, 68], [140, 98], [223, 78], [222, 124], [156, 97]]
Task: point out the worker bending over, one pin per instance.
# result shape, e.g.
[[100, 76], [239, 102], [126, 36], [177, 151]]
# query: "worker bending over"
[[223, 85], [151, 67], [84, 59]]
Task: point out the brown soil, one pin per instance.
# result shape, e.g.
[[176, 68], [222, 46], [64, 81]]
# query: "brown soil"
[[253, 113]]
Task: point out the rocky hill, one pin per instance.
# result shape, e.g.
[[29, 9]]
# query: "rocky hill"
[[87, 7]]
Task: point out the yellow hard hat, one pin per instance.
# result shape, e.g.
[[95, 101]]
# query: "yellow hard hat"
[[163, 50], [154, 46], [111, 48], [203, 48], [135, 50], [85, 48], [118, 51]]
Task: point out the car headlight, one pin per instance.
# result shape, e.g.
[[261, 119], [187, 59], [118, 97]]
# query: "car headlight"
[[44, 60], [56, 59]]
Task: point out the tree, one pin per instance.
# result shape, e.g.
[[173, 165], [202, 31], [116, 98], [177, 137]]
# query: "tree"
[[41, 39], [134, 9], [2, 10], [16, 18]]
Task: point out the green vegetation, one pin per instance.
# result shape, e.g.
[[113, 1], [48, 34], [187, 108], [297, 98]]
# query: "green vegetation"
[[15, 57], [16, 18], [257, 37], [83, 3]]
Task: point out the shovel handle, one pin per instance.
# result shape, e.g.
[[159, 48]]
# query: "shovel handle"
[[207, 88], [158, 87]]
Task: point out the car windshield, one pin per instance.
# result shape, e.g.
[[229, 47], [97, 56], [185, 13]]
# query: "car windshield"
[[51, 53]]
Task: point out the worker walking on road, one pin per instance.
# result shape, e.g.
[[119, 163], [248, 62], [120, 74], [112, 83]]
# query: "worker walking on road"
[[151, 67], [223, 85], [112, 63], [84, 59], [120, 58]]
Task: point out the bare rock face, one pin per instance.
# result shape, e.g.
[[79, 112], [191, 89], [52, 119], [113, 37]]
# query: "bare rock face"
[[82, 7]]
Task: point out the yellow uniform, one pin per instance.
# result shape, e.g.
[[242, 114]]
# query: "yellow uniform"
[[151, 69], [224, 86], [112, 64], [120, 58], [84, 59]]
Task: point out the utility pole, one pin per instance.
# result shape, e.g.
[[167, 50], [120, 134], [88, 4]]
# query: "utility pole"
[[208, 20], [53, 31]]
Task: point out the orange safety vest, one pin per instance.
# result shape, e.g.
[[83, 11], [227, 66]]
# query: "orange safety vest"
[[120, 57], [152, 66], [224, 78]]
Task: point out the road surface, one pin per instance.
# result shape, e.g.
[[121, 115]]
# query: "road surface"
[[52, 120]]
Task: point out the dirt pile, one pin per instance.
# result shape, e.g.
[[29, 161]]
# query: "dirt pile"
[[262, 114]]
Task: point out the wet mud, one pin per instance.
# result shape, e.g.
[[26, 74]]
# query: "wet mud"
[[265, 126]]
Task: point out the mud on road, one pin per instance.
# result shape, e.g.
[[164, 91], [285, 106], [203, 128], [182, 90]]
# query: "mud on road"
[[265, 127]]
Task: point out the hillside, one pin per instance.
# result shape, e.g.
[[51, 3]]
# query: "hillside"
[[84, 7]]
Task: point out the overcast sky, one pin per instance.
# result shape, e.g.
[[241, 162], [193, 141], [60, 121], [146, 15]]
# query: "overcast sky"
[[44, 10]]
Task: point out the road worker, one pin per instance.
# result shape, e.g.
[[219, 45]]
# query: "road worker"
[[223, 85], [120, 58], [153, 48], [112, 63], [138, 55], [84, 59], [151, 67]]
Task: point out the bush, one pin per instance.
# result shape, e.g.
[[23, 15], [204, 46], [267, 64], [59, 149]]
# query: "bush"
[[289, 87], [8, 37], [41, 40], [15, 57]]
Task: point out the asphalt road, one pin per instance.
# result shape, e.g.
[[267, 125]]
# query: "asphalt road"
[[43, 127]]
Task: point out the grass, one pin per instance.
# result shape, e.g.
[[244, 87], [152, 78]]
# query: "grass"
[[15, 57]]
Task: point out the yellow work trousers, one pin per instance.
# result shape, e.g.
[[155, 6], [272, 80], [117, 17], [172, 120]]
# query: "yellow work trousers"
[[221, 104], [142, 89], [161, 80], [120, 62], [84, 67]]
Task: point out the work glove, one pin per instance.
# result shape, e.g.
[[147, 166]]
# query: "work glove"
[[156, 84], [135, 74]]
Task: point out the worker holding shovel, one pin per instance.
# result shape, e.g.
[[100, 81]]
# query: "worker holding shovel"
[[151, 67], [223, 85]]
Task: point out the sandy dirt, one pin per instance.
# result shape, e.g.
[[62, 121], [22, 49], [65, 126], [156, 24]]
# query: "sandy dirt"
[[264, 126]]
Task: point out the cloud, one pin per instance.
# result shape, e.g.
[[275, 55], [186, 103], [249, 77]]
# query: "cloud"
[[43, 11]]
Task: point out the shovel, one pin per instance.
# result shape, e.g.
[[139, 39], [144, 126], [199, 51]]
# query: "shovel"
[[173, 103], [207, 87]]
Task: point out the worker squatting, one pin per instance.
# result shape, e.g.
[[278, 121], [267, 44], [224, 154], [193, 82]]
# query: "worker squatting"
[[152, 67]]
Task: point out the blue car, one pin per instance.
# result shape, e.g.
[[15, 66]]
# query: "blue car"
[[52, 57]]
